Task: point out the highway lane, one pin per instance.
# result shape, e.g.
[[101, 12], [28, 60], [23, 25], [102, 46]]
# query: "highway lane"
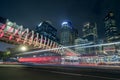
[[21, 72]]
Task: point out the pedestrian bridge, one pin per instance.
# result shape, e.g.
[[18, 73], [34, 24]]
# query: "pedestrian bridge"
[[12, 33]]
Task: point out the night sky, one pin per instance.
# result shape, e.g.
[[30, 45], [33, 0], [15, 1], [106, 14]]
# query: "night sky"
[[29, 13]]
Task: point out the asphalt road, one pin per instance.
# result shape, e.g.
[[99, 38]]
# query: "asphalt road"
[[16, 72]]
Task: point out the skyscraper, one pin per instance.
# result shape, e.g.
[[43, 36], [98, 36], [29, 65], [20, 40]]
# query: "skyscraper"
[[47, 30], [80, 42], [90, 32], [67, 34], [66, 37], [110, 28], [74, 33]]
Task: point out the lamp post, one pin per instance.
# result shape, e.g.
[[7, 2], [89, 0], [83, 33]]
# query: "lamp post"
[[23, 48]]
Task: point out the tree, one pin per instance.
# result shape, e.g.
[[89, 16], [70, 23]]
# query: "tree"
[[1, 54], [4, 55]]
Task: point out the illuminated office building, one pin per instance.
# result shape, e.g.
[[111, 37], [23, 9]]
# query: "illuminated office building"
[[47, 30], [110, 28], [80, 42], [66, 34], [90, 32]]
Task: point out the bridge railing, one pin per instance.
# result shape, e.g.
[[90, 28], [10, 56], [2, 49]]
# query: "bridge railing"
[[12, 33]]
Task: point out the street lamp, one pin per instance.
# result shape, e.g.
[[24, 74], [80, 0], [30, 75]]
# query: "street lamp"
[[23, 48]]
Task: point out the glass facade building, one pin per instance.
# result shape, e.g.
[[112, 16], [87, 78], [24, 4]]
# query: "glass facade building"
[[90, 32], [47, 30], [110, 28], [67, 34], [80, 42]]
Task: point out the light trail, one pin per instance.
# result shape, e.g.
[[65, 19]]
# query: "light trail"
[[65, 47], [55, 49]]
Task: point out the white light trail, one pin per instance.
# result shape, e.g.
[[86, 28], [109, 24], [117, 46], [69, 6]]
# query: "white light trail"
[[65, 47], [88, 45]]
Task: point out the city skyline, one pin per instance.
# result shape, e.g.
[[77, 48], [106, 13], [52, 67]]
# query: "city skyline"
[[31, 13], [60, 39]]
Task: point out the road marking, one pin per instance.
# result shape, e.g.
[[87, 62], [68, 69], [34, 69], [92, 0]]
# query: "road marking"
[[74, 74]]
